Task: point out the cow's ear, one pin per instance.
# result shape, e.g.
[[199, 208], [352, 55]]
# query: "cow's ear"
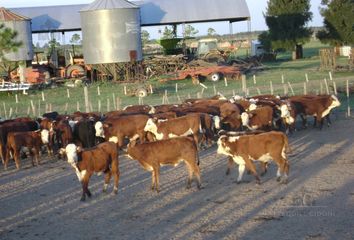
[[62, 151], [79, 149], [107, 125]]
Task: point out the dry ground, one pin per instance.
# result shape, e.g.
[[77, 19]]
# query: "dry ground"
[[318, 202]]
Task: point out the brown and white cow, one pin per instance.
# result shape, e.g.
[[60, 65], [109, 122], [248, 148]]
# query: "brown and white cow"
[[257, 147], [101, 158], [317, 106], [32, 140], [166, 152], [182, 126], [259, 118], [131, 126]]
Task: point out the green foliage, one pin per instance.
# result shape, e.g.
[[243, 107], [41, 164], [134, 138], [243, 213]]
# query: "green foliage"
[[145, 36], [211, 32], [265, 41], [190, 31], [168, 33], [75, 39], [286, 20], [169, 45], [8, 43], [338, 22]]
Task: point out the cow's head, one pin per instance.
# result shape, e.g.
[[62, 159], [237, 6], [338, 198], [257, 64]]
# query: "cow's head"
[[45, 136], [222, 145], [99, 129], [151, 125], [71, 153], [252, 107], [285, 113], [216, 120], [245, 118], [335, 101], [152, 110]]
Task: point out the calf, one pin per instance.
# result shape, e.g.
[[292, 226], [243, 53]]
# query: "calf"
[[32, 140], [171, 151], [258, 147], [260, 118], [101, 158], [63, 133], [84, 133], [182, 126]]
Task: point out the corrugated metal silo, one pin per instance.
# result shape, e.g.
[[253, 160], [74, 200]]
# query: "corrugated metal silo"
[[22, 26], [111, 32]]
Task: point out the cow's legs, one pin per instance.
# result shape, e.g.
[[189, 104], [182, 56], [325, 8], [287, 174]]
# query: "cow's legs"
[[230, 163], [241, 170], [107, 178], [153, 179], [85, 190], [250, 166], [264, 167], [157, 180], [115, 172], [2, 152], [17, 158], [36, 155]]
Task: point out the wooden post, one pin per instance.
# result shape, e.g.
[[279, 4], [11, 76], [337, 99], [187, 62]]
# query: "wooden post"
[[5, 111], [78, 106], [43, 99], [151, 91], [108, 105], [233, 92], [306, 77], [214, 90], [291, 88], [326, 84], [225, 79], [99, 105], [90, 106], [33, 109], [87, 103], [335, 87], [321, 88], [282, 79], [244, 84], [271, 88], [176, 87], [10, 114], [16, 97], [254, 79], [28, 110], [39, 108], [98, 91], [125, 90], [348, 100], [50, 107], [66, 108], [119, 103], [305, 88], [259, 91], [330, 76], [179, 99], [68, 92], [114, 101], [285, 87]]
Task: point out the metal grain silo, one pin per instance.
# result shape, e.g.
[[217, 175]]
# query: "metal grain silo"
[[111, 32], [22, 26]]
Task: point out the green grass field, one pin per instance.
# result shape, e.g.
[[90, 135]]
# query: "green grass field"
[[292, 72]]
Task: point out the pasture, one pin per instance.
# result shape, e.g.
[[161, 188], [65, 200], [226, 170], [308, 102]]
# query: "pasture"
[[318, 202]]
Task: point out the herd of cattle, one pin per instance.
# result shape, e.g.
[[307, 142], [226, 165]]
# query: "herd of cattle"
[[247, 130]]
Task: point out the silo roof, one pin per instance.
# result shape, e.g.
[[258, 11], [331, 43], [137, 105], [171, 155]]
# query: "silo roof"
[[108, 4], [7, 16]]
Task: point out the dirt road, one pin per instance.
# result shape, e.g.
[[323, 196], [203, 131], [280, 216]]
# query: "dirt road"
[[318, 202]]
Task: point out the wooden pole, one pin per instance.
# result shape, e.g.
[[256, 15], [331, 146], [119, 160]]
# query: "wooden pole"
[[330, 76], [99, 105], [307, 77], [78, 106], [33, 109], [259, 91], [98, 91], [271, 88], [87, 102], [28, 110], [151, 91], [108, 105], [285, 87], [43, 98], [348, 100], [39, 107], [119, 103], [282, 79], [5, 111], [335, 87], [176, 87], [326, 84], [114, 101], [68, 92], [125, 90], [305, 88], [244, 84], [321, 88], [291, 88], [10, 114], [215, 92], [225, 79], [66, 108], [50, 107], [254, 80]]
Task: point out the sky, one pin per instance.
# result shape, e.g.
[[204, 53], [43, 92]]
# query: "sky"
[[256, 8]]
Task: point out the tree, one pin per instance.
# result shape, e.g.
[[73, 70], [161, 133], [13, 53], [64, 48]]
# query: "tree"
[[8, 43], [211, 32], [190, 31], [338, 22], [75, 39], [286, 20], [168, 33], [145, 36]]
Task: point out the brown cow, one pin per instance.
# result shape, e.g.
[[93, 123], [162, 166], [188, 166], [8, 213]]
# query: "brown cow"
[[131, 126], [171, 151], [260, 118], [101, 158], [317, 106], [182, 126], [32, 140], [259, 147], [63, 133]]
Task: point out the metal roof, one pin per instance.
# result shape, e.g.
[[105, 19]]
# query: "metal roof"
[[108, 4], [152, 12], [7, 16]]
